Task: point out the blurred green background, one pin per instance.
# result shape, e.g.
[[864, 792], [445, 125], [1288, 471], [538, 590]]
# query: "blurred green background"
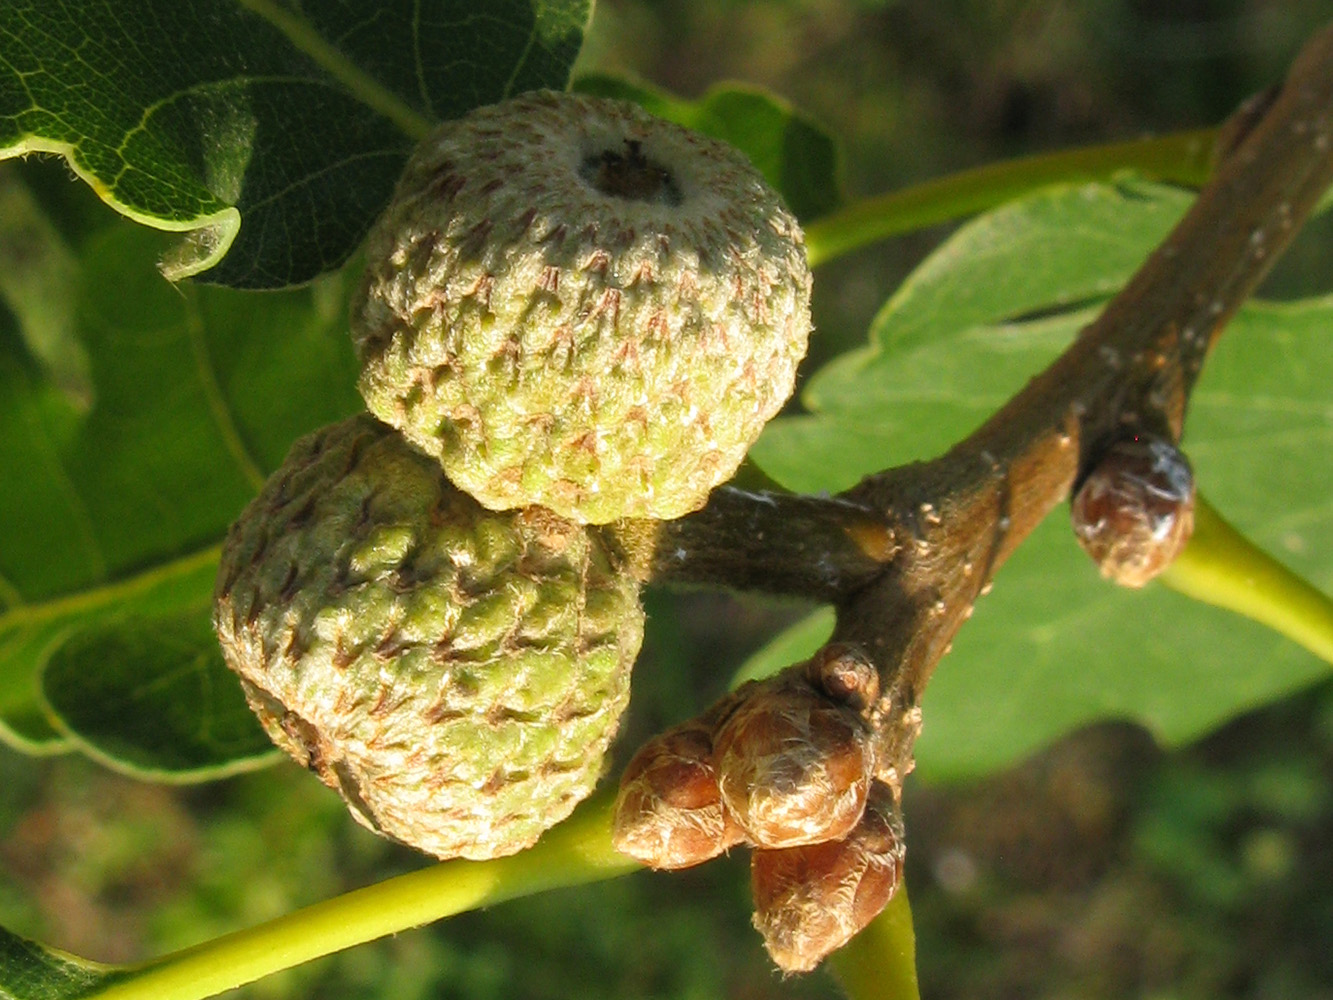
[[1103, 868]]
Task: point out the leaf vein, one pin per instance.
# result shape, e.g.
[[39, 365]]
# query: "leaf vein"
[[305, 39], [106, 594], [217, 402], [520, 62]]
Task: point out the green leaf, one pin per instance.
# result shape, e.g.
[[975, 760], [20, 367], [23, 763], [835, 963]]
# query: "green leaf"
[[32, 971], [272, 132], [795, 643], [880, 409], [1055, 250], [1055, 646], [152, 697], [116, 507], [31, 633], [793, 153], [37, 275], [904, 398]]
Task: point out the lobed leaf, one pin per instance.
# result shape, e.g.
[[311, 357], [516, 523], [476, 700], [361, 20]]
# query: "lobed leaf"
[[272, 132], [152, 697], [1055, 646]]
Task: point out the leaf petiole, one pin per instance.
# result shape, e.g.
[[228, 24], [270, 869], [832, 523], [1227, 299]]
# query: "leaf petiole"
[[1181, 157], [576, 852], [1220, 566]]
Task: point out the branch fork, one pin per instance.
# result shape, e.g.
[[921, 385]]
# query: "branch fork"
[[813, 759]]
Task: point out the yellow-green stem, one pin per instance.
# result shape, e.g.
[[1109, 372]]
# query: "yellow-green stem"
[[880, 962], [1221, 566], [577, 851], [1182, 157]]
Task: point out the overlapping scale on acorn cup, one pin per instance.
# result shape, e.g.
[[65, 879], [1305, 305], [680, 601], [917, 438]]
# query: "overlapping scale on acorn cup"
[[455, 673], [574, 304]]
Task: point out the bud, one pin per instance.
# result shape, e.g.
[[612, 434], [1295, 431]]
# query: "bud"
[[844, 673], [810, 901], [669, 813], [1135, 510], [794, 766]]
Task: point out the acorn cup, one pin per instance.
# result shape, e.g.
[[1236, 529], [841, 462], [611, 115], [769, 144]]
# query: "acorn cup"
[[454, 673], [571, 303]]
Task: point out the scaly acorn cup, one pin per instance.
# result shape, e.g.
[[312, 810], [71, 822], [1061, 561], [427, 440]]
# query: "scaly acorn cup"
[[574, 304], [455, 673]]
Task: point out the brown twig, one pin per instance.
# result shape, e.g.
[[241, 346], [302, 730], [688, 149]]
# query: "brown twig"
[[905, 554], [818, 548], [1129, 372]]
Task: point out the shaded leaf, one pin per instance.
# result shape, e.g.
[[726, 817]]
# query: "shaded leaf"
[[153, 697], [1055, 646], [117, 507], [1054, 250], [30, 633], [890, 403], [793, 153], [882, 409], [273, 132], [32, 971], [793, 644], [37, 278]]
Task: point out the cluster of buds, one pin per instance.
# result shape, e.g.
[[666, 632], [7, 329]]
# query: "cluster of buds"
[[787, 766]]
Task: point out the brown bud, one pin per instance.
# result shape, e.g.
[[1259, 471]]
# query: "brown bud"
[[794, 766], [844, 673], [669, 812], [1135, 510], [810, 901]]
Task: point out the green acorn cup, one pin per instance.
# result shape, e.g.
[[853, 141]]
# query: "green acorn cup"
[[455, 673], [574, 304]]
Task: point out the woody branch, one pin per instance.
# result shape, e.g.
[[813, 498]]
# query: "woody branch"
[[807, 766]]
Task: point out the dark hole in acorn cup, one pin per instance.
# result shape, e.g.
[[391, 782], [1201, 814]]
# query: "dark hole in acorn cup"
[[630, 175]]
